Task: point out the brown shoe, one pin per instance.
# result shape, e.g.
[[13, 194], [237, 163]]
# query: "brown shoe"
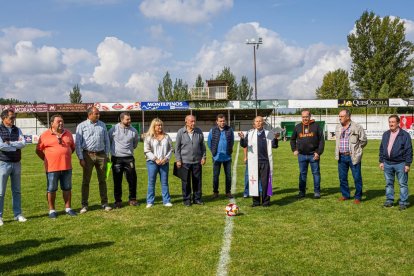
[[342, 198], [357, 201], [118, 205], [133, 202], [229, 195], [215, 195]]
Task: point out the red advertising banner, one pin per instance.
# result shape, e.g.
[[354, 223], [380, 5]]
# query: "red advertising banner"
[[26, 108], [82, 107], [406, 122]]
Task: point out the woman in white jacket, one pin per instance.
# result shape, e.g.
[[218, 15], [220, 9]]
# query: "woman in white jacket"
[[158, 150]]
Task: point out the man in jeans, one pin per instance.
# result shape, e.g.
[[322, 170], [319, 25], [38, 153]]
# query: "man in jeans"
[[190, 153], [220, 142], [11, 143], [92, 149], [124, 139], [350, 140], [55, 148], [395, 157], [307, 143]]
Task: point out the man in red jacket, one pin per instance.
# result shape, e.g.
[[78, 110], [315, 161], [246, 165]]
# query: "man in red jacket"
[[307, 143]]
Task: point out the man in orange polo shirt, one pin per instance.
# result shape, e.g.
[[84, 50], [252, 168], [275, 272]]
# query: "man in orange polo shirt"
[[55, 148]]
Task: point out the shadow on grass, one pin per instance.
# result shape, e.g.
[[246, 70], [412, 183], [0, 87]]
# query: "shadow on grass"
[[55, 254], [54, 273], [372, 194], [19, 246]]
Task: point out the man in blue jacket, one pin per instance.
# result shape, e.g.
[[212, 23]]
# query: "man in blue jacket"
[[220, 142], [395, 157]]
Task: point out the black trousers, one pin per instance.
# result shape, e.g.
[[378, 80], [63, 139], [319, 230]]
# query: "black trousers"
[[121, 165], [193, 181], [263, 172]]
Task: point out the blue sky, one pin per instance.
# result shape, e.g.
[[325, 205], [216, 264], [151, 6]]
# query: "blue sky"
[[119, 50]]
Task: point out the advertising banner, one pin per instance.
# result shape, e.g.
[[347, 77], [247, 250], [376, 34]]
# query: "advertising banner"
[[248, 105], [82, 107], [164, 105], [273, 104], [363, 103], [313, 103], [26, 108], [118, 106], [209, 104]]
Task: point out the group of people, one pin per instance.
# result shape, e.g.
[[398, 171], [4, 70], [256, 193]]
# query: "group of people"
[[94, 144]]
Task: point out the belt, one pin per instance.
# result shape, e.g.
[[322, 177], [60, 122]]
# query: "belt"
[[345, 153], [93, 152]]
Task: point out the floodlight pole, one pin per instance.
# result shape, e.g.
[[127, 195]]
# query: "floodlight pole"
[[255, 47]]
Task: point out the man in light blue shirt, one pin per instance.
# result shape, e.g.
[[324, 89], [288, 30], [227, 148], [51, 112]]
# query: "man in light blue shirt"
[[220, 142], [92, 149]]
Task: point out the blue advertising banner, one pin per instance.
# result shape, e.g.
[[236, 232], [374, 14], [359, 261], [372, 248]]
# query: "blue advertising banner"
[[164, 105]]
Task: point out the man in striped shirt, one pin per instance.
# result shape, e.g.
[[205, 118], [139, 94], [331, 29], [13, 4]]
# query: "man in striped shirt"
[[92, 148]]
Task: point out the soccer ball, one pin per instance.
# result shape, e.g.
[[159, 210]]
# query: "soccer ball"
[[232, 209]]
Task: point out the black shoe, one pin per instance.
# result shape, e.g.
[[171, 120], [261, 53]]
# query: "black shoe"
[[215, 195], [317, 195], [266, 205], [255, 205], [403, 207], [187, 203], [198, 202], [300, 196], [388, 204]]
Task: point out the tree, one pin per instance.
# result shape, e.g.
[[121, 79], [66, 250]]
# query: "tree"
[[12, 101], [165, 89], [381, 55], [199, 81], [227, 75], [245, 91], [180, 91], [75, 95], [335, 85], [168, 92]]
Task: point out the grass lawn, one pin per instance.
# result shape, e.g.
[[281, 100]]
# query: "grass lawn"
[[291, 237]]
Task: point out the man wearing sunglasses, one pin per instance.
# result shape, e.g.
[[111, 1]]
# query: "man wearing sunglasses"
[[350, 140], [55, 148], [11, 143]]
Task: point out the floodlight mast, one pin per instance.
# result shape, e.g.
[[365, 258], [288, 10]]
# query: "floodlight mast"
[[255, 47]]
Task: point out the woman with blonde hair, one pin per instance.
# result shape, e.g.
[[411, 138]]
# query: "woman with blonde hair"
[[157, 149]]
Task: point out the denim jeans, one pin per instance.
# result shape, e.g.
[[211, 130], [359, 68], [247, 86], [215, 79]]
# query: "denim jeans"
[[64, 177], [304, 161], [216, 175], [344, 163], [12, 169], [390, 171], [246, 181], [153, 170]]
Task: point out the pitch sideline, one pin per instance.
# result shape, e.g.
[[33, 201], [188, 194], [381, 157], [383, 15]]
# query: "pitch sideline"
[[228, 229]]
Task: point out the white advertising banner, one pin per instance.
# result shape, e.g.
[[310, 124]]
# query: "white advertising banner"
[[313, 104]]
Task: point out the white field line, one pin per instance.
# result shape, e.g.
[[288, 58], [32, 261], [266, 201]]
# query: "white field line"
[[228, 229]]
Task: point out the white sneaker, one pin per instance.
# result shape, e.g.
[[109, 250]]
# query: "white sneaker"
[[20, 218], [169, 204], [83, 210], [149, 205], [1, 222], [106, 207]]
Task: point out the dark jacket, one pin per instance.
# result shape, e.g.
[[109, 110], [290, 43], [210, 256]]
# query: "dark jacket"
[[215, 138], [402, 150], [308, 139], [10, 156]]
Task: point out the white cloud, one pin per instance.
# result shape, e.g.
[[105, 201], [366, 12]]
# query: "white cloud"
[[184, 11], [118, 60], [144, 86], [409, 29], [27, 59]]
